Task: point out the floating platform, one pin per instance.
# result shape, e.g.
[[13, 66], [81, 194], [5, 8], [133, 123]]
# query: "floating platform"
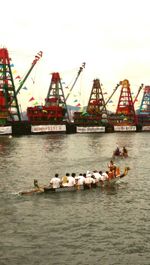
[[26, 128]]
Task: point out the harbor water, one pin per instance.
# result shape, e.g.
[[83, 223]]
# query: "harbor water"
[[92, 227]]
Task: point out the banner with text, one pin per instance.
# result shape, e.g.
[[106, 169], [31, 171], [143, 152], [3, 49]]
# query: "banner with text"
[[90, 129], [5, 130], [48, 128], [146, 128], [124, 128]]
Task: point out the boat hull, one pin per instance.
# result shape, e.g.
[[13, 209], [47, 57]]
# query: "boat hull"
[[62, 189], [107, 183]]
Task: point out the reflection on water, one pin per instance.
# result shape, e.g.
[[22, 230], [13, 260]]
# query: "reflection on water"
[[100, 226]]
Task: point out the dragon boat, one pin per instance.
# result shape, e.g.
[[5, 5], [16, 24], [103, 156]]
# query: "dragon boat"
[[101, 184]]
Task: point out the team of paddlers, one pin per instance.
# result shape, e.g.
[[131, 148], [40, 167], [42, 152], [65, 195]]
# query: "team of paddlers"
[[88, 180]]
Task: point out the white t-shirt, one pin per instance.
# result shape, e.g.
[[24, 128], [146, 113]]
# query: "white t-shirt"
[[89, 180], [104, 176], [55, 182], [81, 180], [71, 181], [97, 176]]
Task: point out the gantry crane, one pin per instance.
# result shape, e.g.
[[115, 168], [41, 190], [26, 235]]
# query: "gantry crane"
[[9, 107], [144, 110], [125, 112], [55, 110], [96, 112]]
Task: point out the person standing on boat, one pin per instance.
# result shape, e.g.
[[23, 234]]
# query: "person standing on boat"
[[55, 182]]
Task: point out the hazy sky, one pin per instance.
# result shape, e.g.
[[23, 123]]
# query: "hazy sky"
[[111, 36]]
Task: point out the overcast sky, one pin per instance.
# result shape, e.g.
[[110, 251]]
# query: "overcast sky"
[[111, 36]]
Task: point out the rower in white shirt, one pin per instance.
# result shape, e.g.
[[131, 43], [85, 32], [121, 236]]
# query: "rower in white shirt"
[[71, 180], [81, 180], [96, 175], [104, 176], [55, 182], [89, 180]]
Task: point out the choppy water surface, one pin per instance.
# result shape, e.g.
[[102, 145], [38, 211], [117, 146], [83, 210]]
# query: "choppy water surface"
[[108, 227]]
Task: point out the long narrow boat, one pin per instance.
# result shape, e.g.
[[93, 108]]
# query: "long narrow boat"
[[102, 184]]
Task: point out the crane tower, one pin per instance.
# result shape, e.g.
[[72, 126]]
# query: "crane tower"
[[55, 109], [125, 112], [144, 110], [9, 108], [96, 112]]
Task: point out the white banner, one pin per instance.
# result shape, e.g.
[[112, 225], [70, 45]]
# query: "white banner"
[[5, 130], [90, 129], [48, 128], [146, 128], [124, 128]]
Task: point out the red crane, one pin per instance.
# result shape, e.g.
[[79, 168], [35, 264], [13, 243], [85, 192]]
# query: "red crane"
[[9, 108], [55, 109], [125, 112], [8, 111]]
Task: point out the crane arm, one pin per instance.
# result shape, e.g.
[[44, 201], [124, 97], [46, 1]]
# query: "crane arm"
[[140, 88], [79, 72], [111, 96], [36, 59]]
